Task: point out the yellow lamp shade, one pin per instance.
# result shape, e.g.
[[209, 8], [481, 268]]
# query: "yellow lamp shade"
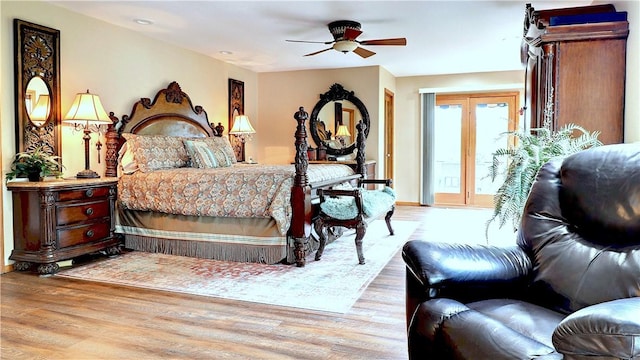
[[343, 131], [242, 125], [87, 108], [41, 112]]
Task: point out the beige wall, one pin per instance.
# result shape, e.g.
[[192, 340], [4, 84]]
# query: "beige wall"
[[282, 93], [119, 65], [632, 87], [408, 124]]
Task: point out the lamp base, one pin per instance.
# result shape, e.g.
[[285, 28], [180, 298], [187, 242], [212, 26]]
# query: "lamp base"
[[87, 174]]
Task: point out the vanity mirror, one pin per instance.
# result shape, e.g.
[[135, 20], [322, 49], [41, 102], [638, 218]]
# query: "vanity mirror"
[[37, 71], [333, 120]]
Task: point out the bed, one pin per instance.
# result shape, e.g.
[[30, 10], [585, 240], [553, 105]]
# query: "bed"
[[182, 192]]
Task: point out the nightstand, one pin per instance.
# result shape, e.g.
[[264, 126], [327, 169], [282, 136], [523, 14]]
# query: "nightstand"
[[56, 220]]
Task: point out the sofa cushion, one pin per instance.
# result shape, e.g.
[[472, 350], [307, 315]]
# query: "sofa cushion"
[[528, 319], [459, 331], [473, 335], [580, 224], [606, 329], [600, 194]]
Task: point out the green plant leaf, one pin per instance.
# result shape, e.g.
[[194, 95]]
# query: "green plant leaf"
[[533, 149]]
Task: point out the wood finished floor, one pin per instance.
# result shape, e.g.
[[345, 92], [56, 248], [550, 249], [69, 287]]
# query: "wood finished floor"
[[57, 318]]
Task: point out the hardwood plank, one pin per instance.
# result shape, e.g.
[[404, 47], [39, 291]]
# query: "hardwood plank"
[[58, 318]]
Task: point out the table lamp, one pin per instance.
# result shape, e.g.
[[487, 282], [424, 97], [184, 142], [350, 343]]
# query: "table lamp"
[[242, 129], [87, 110], [341, 133], [41, 111]]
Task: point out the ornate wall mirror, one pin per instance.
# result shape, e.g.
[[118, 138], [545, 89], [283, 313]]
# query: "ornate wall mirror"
[[37, 71], [337, 108]]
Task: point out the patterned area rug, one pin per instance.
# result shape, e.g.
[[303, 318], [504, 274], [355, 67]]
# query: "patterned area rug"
[[332, 284]]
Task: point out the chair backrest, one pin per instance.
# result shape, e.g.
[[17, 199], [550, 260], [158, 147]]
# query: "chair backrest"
[[581, 227]]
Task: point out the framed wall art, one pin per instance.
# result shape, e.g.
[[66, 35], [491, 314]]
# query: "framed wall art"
[[236, 107], [37, 85]]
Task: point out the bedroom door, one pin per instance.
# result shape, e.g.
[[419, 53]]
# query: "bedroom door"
[[469, 128], [389, 124]]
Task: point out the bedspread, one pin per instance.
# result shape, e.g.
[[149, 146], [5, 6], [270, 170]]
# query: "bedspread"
[[240, 190]]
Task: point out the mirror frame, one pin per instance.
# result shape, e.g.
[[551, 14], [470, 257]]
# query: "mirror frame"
[[37, 54], [337, 92]]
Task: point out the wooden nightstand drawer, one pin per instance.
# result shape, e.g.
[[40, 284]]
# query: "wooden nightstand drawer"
[[82, 194], [70, 214], [69, 236]]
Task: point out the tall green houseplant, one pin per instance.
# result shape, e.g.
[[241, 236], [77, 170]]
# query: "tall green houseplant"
[[531, 150]]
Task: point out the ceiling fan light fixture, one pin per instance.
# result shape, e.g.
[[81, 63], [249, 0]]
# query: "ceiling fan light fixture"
[[345, 46]]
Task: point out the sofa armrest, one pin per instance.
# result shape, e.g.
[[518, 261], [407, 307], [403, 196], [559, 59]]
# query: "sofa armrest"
[[467, 272], [441, 264], [462, 272], [610, 329]]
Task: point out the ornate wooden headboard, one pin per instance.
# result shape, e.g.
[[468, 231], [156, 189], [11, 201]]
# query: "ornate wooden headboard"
[[170, 113]]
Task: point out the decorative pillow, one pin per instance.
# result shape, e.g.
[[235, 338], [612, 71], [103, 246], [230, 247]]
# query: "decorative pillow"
[[154, 152], [126, 161], [204, 156], [220, 143]]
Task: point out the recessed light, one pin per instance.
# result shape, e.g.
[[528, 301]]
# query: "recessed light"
[[225, 52], [143, 21]]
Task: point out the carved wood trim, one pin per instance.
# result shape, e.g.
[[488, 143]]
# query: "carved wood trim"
[[170, 104], [37, 54]]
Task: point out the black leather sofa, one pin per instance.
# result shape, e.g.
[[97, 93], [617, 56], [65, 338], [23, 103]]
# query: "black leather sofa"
[[569, 288]]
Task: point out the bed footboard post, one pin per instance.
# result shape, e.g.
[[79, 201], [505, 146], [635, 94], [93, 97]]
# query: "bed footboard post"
[[111, 157], [360, 143], [300, 228]]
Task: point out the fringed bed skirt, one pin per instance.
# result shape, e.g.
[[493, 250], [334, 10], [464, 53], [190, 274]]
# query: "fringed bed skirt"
[[206, 250], [232, 239]]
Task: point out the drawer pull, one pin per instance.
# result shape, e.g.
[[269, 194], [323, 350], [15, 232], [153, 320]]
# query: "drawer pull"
[[89, 211], [90, 233], [89, 193]]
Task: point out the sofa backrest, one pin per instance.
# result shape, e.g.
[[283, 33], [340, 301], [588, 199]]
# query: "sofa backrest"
[[581, 227]]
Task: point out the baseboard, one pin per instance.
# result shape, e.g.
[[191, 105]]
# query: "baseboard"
[[407, 203], [7, 268]]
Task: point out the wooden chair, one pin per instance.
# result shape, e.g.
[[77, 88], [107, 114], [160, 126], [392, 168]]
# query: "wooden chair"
[[353, 209]]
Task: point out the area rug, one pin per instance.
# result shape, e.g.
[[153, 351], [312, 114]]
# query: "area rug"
[[332, 284]]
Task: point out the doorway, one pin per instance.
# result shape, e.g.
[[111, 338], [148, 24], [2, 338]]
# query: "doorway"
[[469, 128], [389, 124]]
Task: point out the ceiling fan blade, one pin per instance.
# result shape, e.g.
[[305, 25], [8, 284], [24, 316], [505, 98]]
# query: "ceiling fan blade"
[[351, 34], [318, 52], [363, 52], [312, 42], [394, 41]]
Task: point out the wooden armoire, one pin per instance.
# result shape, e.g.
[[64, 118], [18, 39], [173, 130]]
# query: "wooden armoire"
[[575, 69]]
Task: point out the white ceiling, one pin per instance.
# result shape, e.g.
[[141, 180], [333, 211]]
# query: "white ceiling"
[[443, 37]]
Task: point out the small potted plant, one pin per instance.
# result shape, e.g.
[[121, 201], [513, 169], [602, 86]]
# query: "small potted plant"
[[34, 165]]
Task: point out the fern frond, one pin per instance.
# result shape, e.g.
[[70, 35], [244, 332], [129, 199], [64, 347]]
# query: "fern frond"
[[533, 149]]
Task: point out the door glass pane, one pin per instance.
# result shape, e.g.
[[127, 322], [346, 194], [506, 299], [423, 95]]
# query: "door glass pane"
[[492, 121], [448, 126]]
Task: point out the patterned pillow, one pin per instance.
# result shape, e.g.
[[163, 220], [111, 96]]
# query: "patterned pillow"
[[126, 162], [154, 152], [204, 156], [221, 143]]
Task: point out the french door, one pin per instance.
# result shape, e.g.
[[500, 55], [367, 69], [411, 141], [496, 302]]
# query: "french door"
[[468, 129]]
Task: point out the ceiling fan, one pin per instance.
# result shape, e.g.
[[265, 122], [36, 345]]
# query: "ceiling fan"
[[345, 33]]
